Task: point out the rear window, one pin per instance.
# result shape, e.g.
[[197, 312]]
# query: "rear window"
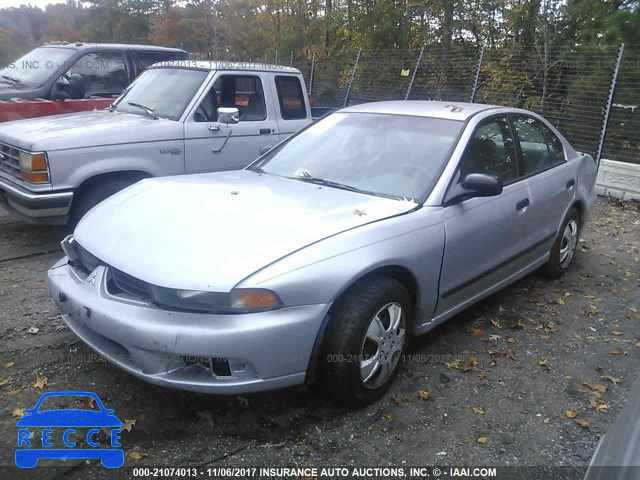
[[290, 98], [143, 60]]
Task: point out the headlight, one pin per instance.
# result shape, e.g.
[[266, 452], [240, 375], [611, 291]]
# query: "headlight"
[[245, 300], [33, 167]]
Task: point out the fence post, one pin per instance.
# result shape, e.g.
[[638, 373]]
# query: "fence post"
[[607, 106], [415, 71], [476, 77], [353, 75], [276, 57], [291, 58], [313, 71]]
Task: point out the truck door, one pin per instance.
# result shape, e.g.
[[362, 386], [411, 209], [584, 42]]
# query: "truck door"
[[211, 145]]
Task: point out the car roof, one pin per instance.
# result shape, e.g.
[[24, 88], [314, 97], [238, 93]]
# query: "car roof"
[[112, 46], [423, 108], [227, 65]]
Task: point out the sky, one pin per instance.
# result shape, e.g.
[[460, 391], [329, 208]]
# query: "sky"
[[35, 3]]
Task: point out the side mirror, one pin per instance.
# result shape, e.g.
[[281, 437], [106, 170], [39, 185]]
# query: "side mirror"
[[482, 185], [265, 149], [76, 86], [228, 115]]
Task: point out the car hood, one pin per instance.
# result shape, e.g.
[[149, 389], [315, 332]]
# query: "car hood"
[[86, 129], [210, 231]]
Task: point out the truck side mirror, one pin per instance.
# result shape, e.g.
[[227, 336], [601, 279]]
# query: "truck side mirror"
[[228, 115], [76, 86]]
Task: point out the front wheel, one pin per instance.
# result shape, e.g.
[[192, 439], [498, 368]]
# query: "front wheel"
[[365, 341], [564, 247]]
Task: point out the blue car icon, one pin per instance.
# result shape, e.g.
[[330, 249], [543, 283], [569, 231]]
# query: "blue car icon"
[[65, 421]]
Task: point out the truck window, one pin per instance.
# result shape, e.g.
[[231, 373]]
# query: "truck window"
[[290, 97], [243, 92], [104, 73], [143, 60]]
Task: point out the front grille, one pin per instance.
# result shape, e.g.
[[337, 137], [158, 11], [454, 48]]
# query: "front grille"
[[85, 260], [131, 285], [9, 159]]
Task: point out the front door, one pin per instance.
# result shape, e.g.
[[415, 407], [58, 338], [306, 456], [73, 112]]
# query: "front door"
[[211, 145], [484, 236]]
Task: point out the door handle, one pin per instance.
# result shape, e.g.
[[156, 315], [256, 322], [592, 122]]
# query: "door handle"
[[571, 183], [522, 204], [265, 131], [214, 128]]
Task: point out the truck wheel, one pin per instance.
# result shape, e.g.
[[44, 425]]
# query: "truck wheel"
[[95, 193], [564, 247], [365, 341]]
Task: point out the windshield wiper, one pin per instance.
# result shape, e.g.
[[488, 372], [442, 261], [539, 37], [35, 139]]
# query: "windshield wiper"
[[255, 169], [330, 183], [11, 79], [148, 110], [112, 107]]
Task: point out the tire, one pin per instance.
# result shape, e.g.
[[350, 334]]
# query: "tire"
[[564, 247], [356, 370], [95, 193]]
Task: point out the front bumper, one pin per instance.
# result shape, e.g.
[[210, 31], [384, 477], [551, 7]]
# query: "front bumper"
[[263, 351], [50, 208]]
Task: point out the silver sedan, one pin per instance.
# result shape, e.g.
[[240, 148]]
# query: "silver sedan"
[[320, 260]]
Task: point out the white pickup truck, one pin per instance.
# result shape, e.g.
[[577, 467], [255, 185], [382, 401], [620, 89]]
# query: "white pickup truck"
[[177, 117]]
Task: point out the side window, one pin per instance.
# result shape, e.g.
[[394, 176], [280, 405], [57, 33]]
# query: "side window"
[[290, 98], [491, 150], [143, 60], [243, 92], [103, 73], [541, 149]]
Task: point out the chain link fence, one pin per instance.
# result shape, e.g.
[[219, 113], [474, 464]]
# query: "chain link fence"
[[574, 88]]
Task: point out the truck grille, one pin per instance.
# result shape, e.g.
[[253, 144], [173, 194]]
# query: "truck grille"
[[9, 159]]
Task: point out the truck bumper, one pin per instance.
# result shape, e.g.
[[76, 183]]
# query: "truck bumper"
[[48, 208]]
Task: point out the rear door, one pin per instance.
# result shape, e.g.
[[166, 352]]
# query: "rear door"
[[485, 237], [211, 145], [550, 177]]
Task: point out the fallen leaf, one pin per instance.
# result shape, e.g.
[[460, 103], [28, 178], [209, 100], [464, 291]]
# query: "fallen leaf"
[[560, 301], [570, 414], [479, 410], [493, 338], [633, 309], [40, 382], [387, 416], [613, 380], [595, 387], [425, 394], [618, 352], [9, 364], [582, 422], [17, 412], [477, 331], [88, 402], [359, 212], [617, 333], [136, 455], [13, 393], [496, 323], [482, 439], [33, 330], [511, 340], [545, 337], [517, 325], [568, 377], [4, 382], [128, 424], [482, 375], [638, 344], [543, 362]]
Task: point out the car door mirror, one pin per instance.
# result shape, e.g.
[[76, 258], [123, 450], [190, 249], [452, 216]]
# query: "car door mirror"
[[228, 115], [482, 185], [76, 86]]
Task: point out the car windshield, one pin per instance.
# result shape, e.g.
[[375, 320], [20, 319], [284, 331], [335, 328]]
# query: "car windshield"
[[394, 156], [65, 402], [161, 92], [36, 66]]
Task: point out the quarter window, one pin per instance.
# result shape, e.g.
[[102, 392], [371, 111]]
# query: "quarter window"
[[541, 148], [291, 98], [104, 74], [491, 151]]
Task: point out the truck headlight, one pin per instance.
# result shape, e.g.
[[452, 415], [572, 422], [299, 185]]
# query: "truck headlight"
[[34, 167], [241, 300]]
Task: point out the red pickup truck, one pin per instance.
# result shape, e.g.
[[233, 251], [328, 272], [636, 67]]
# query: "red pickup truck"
[[73, 77]]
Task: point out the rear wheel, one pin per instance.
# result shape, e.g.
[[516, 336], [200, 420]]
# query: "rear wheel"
[[365, 341], [564, 247]]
